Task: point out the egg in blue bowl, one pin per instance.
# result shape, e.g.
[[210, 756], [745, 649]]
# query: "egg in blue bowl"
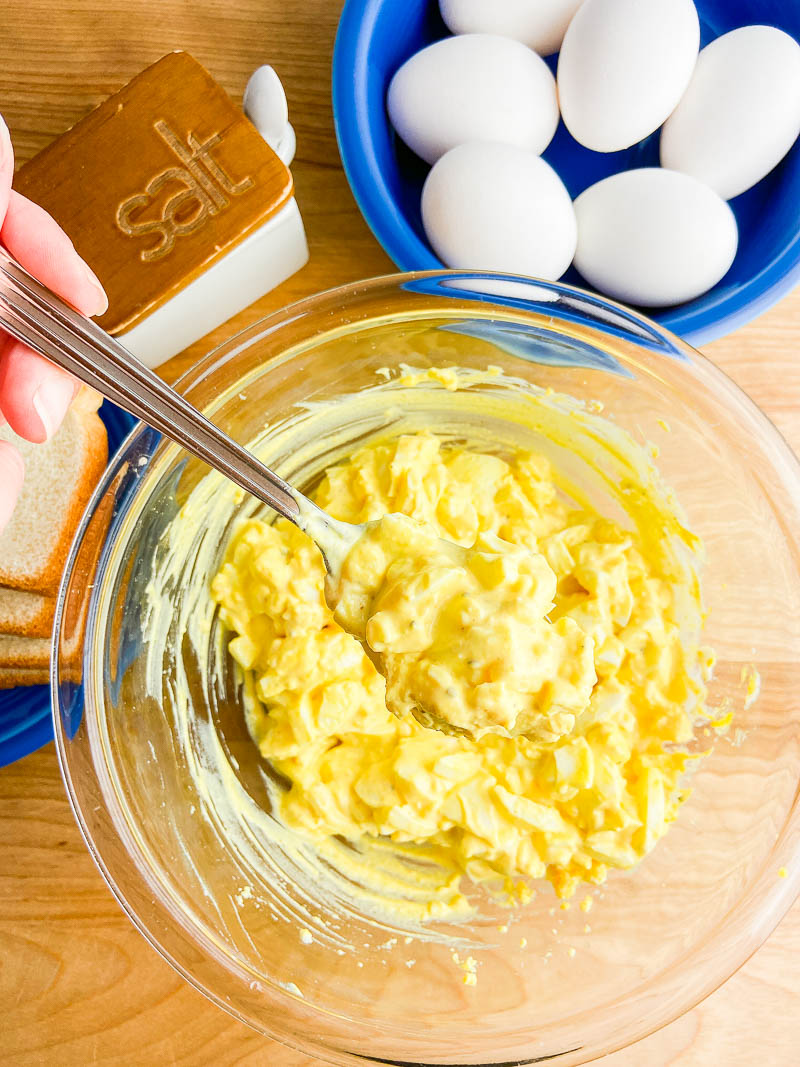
[[376, 38]]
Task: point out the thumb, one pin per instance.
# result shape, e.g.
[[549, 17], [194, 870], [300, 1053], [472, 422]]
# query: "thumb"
[[6, 168]]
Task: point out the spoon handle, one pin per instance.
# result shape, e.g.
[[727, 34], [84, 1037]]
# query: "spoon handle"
[[34, 314]]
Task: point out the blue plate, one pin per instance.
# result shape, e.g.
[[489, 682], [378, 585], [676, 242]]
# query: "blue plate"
[[26, 721], [376, 36]]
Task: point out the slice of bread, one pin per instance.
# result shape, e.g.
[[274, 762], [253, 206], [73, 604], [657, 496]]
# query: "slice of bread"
[[29, 652], [25, 660], [59, 478], [26, 614], [11, 677], [29, 657]]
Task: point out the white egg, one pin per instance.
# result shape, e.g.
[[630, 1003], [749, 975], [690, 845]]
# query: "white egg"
[[741, 112], [623, 67], [471, 88], [540, 24], [653, 237], [491, 206]]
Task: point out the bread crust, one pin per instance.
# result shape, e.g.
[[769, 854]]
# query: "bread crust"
[[11, 677], [26, 614]]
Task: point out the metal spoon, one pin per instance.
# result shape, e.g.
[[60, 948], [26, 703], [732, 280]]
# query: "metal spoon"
[[38, 317], [42, 320]]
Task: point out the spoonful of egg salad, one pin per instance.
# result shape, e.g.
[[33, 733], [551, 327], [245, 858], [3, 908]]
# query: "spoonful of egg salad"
[[463, 635]]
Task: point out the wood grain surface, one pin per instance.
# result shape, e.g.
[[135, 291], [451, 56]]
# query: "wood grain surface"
[[78, 984]]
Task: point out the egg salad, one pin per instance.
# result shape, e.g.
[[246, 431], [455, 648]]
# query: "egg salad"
[[462, 635], [598, 629]]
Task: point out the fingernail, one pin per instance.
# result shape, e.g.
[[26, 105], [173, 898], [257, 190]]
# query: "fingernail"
[[51, 402], [94, 281]]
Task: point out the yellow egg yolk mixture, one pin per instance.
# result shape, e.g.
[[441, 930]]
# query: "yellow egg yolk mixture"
[[462, 636], [594, 655]]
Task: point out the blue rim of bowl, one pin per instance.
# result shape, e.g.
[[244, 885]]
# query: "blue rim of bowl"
[[408, 252], [26, 720]]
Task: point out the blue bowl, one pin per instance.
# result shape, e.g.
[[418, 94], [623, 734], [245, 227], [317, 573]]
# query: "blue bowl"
[[376, 36], [26, 721]]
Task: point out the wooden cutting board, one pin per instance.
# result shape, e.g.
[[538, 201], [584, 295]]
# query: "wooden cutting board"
[[78, 984]]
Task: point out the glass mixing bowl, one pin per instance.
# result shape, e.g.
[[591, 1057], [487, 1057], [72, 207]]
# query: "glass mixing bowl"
[[150, 730]]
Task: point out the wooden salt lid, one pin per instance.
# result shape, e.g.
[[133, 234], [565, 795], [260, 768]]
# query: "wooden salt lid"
[[157, 184]]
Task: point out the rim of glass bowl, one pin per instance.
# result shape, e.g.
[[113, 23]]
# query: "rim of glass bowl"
[[751, 919]]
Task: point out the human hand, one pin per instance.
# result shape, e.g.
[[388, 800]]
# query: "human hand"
[[34, 394]]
